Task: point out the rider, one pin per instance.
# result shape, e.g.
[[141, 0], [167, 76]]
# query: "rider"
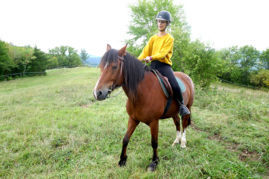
[[159, 51]]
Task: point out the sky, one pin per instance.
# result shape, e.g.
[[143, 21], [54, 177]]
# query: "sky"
[[91, 24]]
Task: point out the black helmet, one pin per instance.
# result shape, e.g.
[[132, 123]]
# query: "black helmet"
[[164, 15]]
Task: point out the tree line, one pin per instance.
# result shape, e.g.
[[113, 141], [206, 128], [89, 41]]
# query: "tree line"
[[244, 65], [31, 61]]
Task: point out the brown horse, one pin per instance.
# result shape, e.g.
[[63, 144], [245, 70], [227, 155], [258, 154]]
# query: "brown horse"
[[146, 100]]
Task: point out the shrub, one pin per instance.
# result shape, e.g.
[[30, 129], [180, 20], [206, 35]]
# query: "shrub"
[[260, 79]]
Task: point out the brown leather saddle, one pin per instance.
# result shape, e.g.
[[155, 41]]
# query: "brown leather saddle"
[[166, 87]]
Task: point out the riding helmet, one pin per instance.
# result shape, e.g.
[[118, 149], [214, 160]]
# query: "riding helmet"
[[164, 15]]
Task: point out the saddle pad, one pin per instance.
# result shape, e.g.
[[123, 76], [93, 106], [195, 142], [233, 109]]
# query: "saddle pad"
[[181, 85]]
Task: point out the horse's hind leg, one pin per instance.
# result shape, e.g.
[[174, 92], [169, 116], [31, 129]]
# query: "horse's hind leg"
[[185, 123], [177, 124], [131, 127], [183, 138]]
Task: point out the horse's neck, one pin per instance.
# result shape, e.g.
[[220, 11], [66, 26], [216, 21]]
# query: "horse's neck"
[[144, 87]]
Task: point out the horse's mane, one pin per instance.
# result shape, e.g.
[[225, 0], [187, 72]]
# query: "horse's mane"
[[133, 70]]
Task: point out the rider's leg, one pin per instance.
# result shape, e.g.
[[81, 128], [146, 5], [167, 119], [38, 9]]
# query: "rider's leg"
[[167, 71]]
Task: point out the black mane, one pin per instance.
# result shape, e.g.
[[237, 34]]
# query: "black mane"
[[133, 70]]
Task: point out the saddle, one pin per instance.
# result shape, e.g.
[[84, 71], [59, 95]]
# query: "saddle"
[[166, 87]]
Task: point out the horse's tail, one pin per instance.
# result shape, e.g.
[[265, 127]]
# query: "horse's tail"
[[189, 121], [191, 98], [191, 87]]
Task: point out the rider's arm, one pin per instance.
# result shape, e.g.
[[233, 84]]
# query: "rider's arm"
[[147, 50]]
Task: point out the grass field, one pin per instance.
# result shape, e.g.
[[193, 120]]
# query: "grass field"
[[51, 126]]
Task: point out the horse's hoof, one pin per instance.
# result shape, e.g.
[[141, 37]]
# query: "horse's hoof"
[[183, 146], [152, 166], [122, 162]]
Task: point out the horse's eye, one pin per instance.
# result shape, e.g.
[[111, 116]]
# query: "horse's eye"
[[114, 67]]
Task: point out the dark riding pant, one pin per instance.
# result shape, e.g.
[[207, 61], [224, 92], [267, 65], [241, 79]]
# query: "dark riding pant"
[[166, 70]]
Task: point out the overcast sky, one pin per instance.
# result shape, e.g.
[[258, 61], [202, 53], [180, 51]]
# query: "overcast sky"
[[91, 24]]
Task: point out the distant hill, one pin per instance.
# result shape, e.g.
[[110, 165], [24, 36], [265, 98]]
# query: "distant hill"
[[92, 61]]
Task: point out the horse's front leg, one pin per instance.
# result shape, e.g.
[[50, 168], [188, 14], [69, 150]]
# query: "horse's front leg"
[[131, 127], [154, 128]]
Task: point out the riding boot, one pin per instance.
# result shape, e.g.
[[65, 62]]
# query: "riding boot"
[[183, 110]]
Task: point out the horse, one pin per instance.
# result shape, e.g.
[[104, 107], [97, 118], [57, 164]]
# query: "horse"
[[146, 100]]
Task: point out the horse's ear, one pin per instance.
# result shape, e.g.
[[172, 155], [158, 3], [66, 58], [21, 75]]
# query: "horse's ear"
[[108, 47], [122, 51]]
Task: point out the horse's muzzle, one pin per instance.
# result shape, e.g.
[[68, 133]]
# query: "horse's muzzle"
[[101, 94]]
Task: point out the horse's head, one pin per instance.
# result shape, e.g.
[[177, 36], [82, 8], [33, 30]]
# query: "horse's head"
[[111, 77]]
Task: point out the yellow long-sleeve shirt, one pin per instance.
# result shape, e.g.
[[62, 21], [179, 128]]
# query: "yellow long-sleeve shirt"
[[159, 48]]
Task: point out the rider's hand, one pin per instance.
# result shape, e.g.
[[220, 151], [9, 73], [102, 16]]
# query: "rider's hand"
[[147, 59]]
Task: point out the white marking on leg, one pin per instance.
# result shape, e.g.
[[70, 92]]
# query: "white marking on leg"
[[94, 91], [178, 138], [183, 140]]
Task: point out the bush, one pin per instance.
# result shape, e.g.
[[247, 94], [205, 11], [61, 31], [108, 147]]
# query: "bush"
[[201, 64], [260, 79]]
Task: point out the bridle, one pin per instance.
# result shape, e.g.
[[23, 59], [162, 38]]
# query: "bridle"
[[115, 85]]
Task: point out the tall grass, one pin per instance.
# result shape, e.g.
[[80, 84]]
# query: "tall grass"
[[51, 126]]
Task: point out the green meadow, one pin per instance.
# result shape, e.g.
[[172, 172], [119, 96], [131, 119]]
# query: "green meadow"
[[51, 126]]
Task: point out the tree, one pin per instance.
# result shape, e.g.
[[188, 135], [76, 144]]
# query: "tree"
[[60, 54], [52, 62], [225, 64], [200, 62], [73, 58], [264, 58], [66, 56], [39, 61], [84, 55], [240, 63], [181, 49], [6, 62], [21, 57], [249, 58]]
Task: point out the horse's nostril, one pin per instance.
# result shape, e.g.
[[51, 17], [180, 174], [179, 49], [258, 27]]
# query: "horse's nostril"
[[99, 93]]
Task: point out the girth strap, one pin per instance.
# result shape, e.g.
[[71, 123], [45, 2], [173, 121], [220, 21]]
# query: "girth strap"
[[168, 103]]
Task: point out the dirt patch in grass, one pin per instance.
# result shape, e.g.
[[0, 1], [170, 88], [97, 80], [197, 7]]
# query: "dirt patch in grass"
[[247, 155], [234, 147]]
